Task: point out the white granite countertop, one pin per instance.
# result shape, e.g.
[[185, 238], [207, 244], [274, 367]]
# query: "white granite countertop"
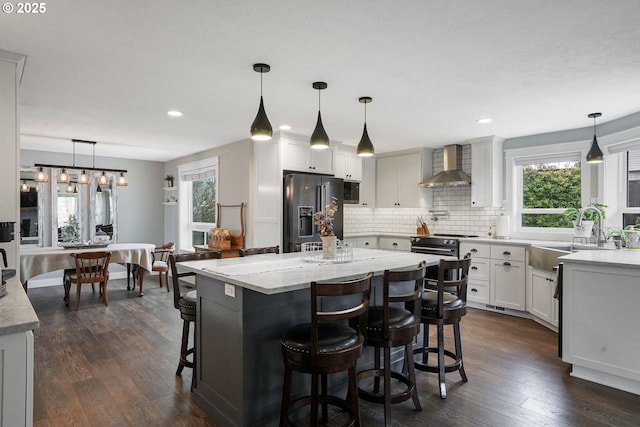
[[615, 257], [272, 274], [16, 312]]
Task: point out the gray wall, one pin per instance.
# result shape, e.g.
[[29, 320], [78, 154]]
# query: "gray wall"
[[235, 181], [140, 209]]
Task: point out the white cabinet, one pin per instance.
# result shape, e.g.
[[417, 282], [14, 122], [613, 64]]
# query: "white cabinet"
[[540, 290], [394, 243], [366, 242], [486, 172], [497, 275], [368, 183], [16, 379], [297, 155], [348, 165], [397, 178]]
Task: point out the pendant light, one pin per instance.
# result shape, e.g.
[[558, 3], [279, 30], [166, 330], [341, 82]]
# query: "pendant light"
[[595, 154], [41, 176], [84, 178], [24, 187], [63, 177], [104, 179], [319, 137], [122, 180], [261, 129], [365, 147]]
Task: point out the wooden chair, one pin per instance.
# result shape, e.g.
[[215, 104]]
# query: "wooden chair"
[[186, 303], [160, 257], [440, 308], [91, 267], [390, 325], [327, 345], [232, 220], [257, 251]]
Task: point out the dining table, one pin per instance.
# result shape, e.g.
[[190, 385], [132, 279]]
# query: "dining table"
[[38, 260]]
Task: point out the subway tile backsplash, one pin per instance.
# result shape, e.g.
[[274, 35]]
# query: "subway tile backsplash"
[[451, 211]]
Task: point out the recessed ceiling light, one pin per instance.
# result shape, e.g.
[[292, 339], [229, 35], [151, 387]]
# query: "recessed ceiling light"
[[484, 121], [285, 127], [175, 113]]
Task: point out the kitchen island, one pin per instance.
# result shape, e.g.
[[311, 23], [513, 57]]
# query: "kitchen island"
[[244, 304], [601, 317]]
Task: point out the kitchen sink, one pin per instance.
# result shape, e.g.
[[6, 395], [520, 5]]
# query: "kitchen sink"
[[546, 258]]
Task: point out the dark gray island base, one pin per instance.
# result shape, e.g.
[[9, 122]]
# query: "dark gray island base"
[[240, 368]]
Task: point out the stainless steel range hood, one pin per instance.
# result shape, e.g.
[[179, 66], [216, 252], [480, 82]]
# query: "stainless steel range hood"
[[452, 175]]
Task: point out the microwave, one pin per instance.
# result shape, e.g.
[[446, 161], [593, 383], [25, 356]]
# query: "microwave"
[[352, 193]]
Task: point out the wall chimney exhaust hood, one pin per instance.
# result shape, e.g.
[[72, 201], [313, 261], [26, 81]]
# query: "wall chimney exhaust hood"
[[452, 175]]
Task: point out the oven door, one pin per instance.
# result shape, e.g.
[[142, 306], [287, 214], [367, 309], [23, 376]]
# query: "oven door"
[[433, 250]]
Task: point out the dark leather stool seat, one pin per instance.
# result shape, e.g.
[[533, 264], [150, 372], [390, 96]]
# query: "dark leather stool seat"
[[390, 325], [440, 308], [187, 304], [332, 342]]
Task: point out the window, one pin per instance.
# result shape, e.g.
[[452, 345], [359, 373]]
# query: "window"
[[548, 188], [198, 189], [633, 178]]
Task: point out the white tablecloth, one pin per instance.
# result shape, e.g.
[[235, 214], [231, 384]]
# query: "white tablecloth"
[[35, 261]]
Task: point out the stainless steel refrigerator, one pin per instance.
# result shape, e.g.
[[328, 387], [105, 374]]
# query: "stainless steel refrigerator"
[[304, 195]]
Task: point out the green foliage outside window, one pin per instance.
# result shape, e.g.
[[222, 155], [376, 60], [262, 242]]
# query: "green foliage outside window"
[[545, 188], [204, 200]]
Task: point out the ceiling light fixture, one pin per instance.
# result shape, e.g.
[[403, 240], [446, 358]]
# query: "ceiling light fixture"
[[175, 113], [484, 121], [104, 179], [84, 178], [24, 187], [261, 129], [122, 180], [319, 138], [285, 127], [595, 154], [365, 147]]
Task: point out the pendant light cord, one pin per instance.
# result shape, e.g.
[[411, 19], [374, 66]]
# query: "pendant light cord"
[[319, 99], [594, 126]]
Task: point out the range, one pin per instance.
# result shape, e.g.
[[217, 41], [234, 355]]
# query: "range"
[[438, 244]]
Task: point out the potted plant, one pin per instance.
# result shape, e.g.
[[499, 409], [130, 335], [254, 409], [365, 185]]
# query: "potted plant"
[[588, 219], [169, 179], [324, 221], [616, 234], [71, 230]]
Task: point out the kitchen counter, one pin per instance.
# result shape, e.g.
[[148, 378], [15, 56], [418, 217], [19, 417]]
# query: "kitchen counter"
[[601, 334], [16, 313], [244, 305]]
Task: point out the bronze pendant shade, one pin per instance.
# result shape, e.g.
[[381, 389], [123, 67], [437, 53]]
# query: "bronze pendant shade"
[[595, 154], [319, 138], [365, 146], [261, 129]]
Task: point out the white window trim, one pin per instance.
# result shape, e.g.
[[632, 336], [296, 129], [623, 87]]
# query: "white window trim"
[[514, 183], [184, 199]]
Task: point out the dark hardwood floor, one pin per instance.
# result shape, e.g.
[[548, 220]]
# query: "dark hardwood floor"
[[115, 366]]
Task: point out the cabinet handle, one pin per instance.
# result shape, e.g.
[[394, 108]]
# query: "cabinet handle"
[[506, 253], [474, 290], [473, 250], [395, 244], [474, 267], [507, 264], [366, 244]]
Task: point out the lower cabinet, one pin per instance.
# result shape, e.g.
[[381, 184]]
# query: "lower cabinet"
[[394, 243], [368, 242], [16, 379], [540, 301]]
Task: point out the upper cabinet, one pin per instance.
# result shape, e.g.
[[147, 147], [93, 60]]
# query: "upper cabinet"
[[368, 183], [348, 164], [486, 172], [297, 155], [397, 179]]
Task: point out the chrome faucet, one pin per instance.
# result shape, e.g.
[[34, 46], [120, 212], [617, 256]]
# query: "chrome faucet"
[[599, 231]]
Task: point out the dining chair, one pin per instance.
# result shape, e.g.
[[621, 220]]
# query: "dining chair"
[[91, 267], [160, 258]]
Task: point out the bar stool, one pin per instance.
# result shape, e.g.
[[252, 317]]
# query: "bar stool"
[[390, 325], [327, 345], [444, 308], [187, 304]]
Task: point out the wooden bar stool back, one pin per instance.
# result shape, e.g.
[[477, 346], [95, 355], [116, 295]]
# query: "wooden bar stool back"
[[257, 251], [332, 342], [187, 304], [393, 325], [444, 302]]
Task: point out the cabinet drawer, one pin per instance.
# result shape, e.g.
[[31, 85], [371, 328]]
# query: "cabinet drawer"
[[478, 291], [480, 250], [395, 244], [507, 253], [480, 269]]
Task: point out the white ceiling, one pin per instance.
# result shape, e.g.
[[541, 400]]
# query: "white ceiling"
[[109, 70]]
